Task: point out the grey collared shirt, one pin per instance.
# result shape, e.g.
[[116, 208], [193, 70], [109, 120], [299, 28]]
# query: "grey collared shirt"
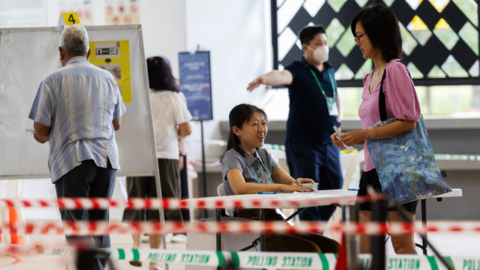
[[234, 160]]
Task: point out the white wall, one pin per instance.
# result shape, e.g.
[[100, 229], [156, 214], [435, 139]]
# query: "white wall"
[[164, 29], [237, 33], [163, 24]]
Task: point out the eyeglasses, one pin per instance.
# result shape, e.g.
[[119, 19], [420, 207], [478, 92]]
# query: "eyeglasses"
[[357, 38]]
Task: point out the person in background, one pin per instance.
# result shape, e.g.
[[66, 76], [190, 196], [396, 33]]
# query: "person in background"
[[248, 169], [171, 121], [314, 110], [182, 168], [77, 110], [377, 34]]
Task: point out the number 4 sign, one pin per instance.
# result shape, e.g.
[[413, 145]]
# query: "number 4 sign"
[[69, 18]]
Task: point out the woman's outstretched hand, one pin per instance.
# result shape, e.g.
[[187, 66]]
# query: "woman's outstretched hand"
[[256, 83]]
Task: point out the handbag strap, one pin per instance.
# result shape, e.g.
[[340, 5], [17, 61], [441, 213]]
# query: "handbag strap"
[[381, 99]]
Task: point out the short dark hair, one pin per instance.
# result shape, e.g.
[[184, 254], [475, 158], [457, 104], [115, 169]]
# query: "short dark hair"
[[382, 29], [308, 33], [238, 116], [160, 76]]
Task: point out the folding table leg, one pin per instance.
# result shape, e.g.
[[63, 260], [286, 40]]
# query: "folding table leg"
[[263, 245], [424, 224], [350, 215], [219, 234], [218, 218], [379, 214]]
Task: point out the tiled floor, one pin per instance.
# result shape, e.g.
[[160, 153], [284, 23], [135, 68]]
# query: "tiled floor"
[[452, 244]]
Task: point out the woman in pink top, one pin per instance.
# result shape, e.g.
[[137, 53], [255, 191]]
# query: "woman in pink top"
[[377, 34]]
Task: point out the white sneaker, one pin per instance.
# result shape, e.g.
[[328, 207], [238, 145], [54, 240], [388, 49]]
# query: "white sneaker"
[[179, 238], [154, 266]]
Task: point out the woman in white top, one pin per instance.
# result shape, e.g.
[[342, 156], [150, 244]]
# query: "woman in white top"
[[171, 121]]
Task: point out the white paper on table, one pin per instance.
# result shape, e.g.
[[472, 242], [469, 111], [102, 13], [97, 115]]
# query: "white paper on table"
[[339, 133]]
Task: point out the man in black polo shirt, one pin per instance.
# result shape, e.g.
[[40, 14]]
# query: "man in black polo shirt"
[[314, 110]]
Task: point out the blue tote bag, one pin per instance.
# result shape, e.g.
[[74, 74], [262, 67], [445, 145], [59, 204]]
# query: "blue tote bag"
[[406, 164]]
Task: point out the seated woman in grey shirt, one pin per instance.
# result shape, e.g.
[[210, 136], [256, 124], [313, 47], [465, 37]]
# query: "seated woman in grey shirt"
[[248, 169]]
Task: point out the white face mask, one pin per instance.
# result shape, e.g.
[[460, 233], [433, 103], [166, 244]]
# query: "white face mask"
[[320, 54]]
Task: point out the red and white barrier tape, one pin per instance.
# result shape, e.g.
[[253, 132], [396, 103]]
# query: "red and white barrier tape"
[[103, 228], [34, 248], [221, 202], [191, 172], [257, 260]]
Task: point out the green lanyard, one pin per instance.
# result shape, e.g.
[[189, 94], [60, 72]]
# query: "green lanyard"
[[320, 86], [258, 178]]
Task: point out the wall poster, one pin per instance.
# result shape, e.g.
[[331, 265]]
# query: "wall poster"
[[114, 56], [122, 12], [195, 82]]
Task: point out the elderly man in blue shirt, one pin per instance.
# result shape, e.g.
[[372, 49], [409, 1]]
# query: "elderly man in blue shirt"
[[77, 109]]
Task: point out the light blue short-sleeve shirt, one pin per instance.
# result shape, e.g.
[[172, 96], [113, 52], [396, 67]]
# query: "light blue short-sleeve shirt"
[[79, 102]]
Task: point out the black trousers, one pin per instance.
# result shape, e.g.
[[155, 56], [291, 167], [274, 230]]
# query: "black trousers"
[[145, 187], [320, 162], [87, 181]]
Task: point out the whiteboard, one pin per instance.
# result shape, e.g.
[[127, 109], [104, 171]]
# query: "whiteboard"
[[27, 56]]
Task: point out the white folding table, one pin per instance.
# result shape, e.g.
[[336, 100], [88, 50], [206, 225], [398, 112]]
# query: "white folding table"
[[303, 199]]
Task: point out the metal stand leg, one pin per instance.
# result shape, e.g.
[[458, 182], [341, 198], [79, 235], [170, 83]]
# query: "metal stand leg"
[[219, 234], [349, 214], [263, 245], [424, 244], [204, 170], [218, 217], [379, 214]]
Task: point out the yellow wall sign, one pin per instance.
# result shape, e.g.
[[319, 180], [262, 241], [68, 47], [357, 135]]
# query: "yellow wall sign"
[[69, 18], [114, 56]]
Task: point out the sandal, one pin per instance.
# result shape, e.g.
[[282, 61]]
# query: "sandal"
[[135, 263]]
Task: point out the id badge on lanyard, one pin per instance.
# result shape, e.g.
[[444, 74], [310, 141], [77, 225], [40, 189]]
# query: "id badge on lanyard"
[[332, 106], [331, 101]]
